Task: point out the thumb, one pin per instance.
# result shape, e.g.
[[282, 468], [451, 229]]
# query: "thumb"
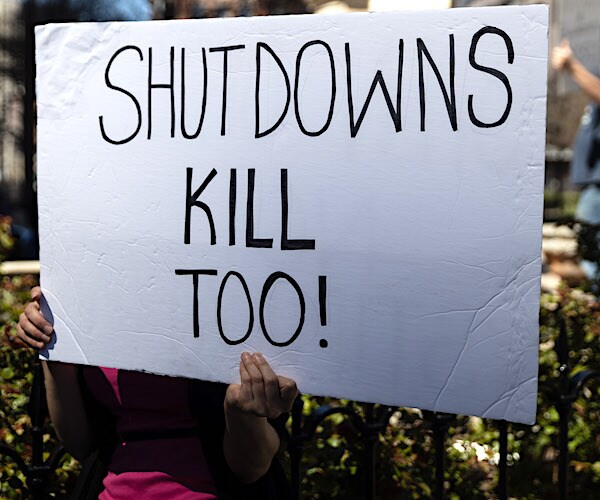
[[287, 388]]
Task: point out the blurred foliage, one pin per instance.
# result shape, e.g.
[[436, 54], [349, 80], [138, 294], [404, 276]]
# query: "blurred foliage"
[[16, 378], [7, 241], [559, 205], [333, 463]]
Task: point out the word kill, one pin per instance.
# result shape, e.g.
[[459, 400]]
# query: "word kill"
[[193, 200]]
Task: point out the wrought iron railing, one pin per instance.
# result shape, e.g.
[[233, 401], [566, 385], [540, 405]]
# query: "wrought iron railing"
[[303, 430]]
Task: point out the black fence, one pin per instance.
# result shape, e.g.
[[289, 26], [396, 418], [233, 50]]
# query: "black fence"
[[368, 426]]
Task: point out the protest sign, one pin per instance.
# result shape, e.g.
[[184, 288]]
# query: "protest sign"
[[359, 197]]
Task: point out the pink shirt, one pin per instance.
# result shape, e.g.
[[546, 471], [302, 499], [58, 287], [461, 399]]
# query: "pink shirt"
[[162, 467]]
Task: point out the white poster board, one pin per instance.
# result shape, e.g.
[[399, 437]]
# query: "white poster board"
[[579, 22], [385, 252]]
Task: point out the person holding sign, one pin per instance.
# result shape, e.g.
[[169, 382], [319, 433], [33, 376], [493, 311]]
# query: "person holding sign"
[[168, 437], [585, 165]]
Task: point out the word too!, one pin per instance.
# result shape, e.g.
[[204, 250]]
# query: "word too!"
[[192, 200]]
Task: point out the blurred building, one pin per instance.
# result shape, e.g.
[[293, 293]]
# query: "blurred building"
[[333, 6], [17, 108], [12, 172], [198, 9], [490, 3]]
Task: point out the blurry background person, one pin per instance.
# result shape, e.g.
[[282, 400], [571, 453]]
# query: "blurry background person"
[[585, 165]]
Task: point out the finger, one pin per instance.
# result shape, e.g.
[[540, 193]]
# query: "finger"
[[17, 343], [258, 389], [289, 391], [245, 394], [567, 51], [27, 340], [232, 395], [33, 314], [31, 330], [270, 381], [15, 340], [36, 293]]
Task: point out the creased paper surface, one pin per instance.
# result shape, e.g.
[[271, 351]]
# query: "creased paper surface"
[[385, 252]]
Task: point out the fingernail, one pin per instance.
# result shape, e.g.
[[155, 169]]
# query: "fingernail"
[[258, 356], [48, 329], [246, 356]]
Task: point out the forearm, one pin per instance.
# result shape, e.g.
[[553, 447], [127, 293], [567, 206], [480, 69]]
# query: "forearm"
[[67, 411], [588, 82], [250, 443]]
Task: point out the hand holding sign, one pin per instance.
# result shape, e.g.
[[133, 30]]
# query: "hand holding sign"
[[261, 392], [33, 329]]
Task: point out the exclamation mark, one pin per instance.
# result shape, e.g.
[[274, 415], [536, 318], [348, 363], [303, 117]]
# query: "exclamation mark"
[[323, 306]]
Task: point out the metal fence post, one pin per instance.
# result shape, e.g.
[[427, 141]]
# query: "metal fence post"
[[37, 477], [371, 435], [502, 463], [296, 445], [441, 423], [38, 472], [563, 407], [569, 388]]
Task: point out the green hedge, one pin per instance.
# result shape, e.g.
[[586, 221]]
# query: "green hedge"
[[332, 462], [16, 377]]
